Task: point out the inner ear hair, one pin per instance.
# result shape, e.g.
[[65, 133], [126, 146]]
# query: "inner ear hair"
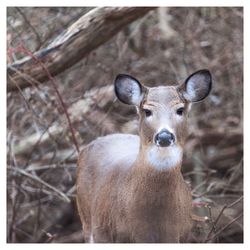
[[197, 86], [128, 89]]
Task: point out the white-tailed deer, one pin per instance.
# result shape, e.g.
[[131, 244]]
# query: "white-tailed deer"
[[130, 188]]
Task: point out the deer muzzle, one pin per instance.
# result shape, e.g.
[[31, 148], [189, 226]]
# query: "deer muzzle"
[[164, 138]]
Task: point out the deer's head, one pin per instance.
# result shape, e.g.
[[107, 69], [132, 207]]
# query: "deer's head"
[[163, 110]]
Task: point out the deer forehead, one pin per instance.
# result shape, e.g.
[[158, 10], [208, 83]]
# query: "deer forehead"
[[163, 95]]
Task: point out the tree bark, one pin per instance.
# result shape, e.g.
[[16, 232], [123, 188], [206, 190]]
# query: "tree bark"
[[86, 34]]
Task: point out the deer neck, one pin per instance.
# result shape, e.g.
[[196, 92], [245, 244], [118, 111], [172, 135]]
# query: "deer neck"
[[153, 186], [158, 170]]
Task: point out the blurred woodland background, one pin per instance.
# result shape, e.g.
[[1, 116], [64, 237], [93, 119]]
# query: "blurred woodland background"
[[61, 66]]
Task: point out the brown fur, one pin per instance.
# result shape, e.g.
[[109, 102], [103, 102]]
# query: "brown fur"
[[127, 199]]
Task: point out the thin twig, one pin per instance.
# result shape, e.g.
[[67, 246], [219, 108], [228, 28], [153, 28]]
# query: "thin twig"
[[58, 94], [37, 179], [211, 219], [49, 166], [235, 202], [32, 81], [31, 26], [225, 227], [219, 216]]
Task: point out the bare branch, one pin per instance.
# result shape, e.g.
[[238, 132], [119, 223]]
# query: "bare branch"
[[39, 40], [83, 36], [208, 238], [37, 179], [102, 97], [225, 227]]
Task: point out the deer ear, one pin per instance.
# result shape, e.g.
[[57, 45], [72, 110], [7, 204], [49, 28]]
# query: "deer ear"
[[197, 86], [129, 90]]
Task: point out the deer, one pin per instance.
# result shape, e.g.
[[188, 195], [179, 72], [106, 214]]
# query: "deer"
[[130, 188]]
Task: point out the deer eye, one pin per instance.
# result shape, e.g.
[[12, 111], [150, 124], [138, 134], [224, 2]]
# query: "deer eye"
[[180, 111], [147, 112]]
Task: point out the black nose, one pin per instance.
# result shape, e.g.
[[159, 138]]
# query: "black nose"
[[164, 138]]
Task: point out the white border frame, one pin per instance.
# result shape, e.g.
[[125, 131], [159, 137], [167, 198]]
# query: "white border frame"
[[176, 3]]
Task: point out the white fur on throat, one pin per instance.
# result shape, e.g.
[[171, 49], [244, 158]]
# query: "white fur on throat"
[[164, 157]]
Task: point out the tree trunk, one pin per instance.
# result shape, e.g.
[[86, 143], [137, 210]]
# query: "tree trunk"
[[90, 31]]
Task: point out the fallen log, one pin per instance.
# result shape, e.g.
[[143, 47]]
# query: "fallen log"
[[86, 34]]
